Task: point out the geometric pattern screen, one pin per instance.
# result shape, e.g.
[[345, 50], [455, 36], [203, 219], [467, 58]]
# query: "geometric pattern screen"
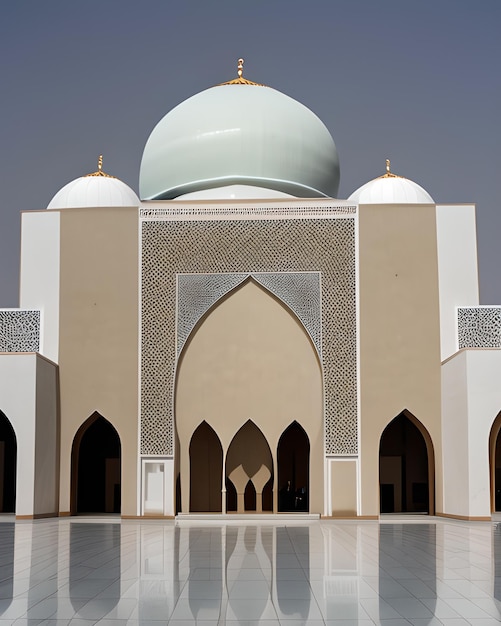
[[19, 330], [479, 327], [188, 264], [198, 293]]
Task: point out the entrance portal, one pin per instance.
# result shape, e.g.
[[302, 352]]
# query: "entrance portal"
[[495, 464], [8, 461], [406, 467], [96, 455], [293, 469], [206, 470]]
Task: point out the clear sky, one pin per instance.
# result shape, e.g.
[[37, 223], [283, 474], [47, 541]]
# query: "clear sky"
[[418, 82]]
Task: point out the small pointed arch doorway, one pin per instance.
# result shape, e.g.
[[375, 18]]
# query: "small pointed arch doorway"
[[206, 470], [249, 470], [293, 460], [96, 468], [8, 463], [406, 467], [495, 464]]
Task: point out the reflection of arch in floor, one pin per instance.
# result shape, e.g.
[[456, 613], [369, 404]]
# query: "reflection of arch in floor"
[[8, 463], [248, 460], [406, 467], [96, 470], [206, 470], [293, 461], [495, 463]]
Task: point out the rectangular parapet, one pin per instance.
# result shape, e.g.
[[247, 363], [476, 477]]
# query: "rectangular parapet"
[[479, 327], [19, 330]]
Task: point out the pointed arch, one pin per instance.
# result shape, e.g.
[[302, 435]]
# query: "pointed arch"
[[248, 357], [8, 465], [495, 464], [248, 459], [406, 466], [198, 294], [206, 470], [96, 467], [293, 463]]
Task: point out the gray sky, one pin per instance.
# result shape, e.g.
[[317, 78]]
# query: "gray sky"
[[416, 82]]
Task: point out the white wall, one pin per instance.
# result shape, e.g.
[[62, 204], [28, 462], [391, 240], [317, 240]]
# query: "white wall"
[[18, 403], [457, 268], [471, 384], [455, 437], [28, 400], [39, 276]]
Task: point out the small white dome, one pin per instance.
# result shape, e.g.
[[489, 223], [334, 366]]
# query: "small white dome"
[[391, 189], [94, 190], [239, 133]]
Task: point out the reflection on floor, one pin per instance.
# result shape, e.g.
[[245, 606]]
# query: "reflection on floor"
[[399, 571]]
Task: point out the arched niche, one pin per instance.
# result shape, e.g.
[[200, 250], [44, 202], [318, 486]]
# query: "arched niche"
[[8, 465], [406, 467], [250, 357], [96, 468], [293, 462], [249, 466], [495, 464], [206, 470]]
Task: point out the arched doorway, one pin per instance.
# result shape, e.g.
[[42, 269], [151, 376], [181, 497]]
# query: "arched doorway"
[[495, 464], [8, 461], [406, 467], [96, 468], [248, 460], [206, 470], [293, 459]]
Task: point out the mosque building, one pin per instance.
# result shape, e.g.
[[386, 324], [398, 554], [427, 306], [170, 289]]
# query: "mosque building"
[[240, 340]]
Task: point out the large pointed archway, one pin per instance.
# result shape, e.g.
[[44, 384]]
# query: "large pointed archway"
[[96, 468], [206, 470], [495, 463], [8, 463], [293, 460], [406, 467], [248, 460]]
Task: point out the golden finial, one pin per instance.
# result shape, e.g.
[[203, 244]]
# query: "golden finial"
[[99, 171], [241, 80], [389, 173]]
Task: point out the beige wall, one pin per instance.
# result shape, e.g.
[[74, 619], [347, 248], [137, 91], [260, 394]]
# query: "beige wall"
[[251, 359], [98, 355], [399, 332]]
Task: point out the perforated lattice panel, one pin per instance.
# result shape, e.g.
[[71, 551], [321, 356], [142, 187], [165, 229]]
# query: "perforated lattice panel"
[[197, 293], [479, 327], [19, 331], [239, 248]]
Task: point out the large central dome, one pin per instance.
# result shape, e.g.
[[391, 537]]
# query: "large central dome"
[[239, 133]]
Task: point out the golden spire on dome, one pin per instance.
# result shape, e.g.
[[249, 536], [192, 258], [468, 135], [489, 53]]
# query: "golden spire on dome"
[[241, 80], [99, 171], [389, 173]]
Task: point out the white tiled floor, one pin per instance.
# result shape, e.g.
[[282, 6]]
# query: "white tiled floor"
[[278, 572]]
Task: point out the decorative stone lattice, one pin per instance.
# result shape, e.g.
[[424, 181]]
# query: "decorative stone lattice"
[[19, 330], [197, 293], [479, 327], [274, 211], [248, 246]]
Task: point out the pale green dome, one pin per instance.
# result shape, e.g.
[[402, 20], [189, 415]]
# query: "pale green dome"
[[239, 133]]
